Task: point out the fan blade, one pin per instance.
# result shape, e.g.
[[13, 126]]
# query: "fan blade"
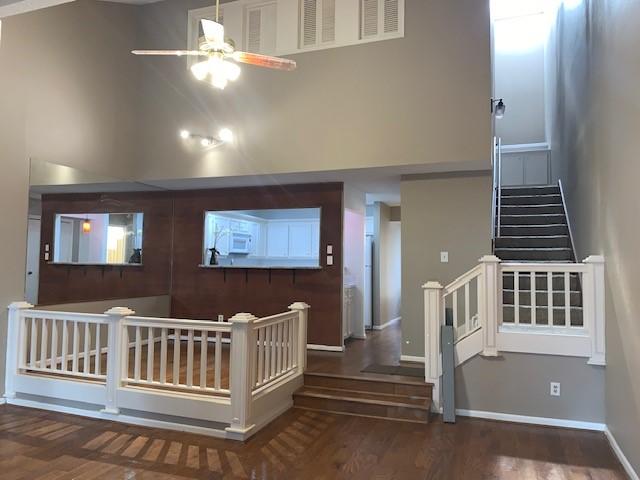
[[177, 53], [267, 61], [213, 32]]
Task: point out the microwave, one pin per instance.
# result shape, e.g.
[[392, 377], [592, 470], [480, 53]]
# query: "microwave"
[[240, 242]]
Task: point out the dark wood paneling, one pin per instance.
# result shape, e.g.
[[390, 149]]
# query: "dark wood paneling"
[[206, 293], [196, 292], [75, 283]]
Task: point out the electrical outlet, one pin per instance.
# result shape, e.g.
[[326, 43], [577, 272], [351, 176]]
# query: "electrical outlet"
[[554, 389], [221, 318], [329, 249], [444, 257], [329, 260]]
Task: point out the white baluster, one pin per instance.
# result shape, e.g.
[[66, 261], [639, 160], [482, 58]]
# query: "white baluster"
[[76, 348], [567, 299], [285, 346], [204, 344], [137, 355], [87, 348], [279, 349], [97, 367], [467, 313], [116, 351], [16, 347], [44, 340], [217, 372], [65, 346], [151, 345], [163, 356], [54, 345], [190, 357], [177, 333], [550, 298], [516, 297], [260, 373], [34, 340], [534, 300], [267, 357]]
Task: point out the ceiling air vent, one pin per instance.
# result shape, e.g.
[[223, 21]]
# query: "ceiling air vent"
[[368, 18], [328, 21], [254, 29], [309, 23], [391, 16]]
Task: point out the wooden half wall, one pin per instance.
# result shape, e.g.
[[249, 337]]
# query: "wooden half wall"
[[172, 253]]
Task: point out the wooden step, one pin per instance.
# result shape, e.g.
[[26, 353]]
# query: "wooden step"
[[390, 386], [366, 404]]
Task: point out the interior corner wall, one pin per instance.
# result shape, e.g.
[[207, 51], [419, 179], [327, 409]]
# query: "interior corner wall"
[[14, 186], [354, 251], [449, 213], [598, 116], [386, 266]]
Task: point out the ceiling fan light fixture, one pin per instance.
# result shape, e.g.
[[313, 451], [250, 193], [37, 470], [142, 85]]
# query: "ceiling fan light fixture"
[[225, 135], [185, 134], [200, 70], [219, 81], [231, 70]]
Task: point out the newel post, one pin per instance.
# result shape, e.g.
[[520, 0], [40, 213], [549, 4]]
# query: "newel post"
[[594, 307], [15, 344], [115, 354], [303, 313], [433, 318], [489, 303], [242, 373]]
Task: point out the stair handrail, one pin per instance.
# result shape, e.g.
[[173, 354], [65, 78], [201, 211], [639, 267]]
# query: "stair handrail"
[[566, 215], [496, 193]]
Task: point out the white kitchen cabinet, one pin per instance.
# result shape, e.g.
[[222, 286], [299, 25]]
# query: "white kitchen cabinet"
[[277, 239], [300, 239]]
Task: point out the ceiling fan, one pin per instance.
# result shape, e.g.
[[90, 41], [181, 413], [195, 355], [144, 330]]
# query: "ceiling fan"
[[220, 66]]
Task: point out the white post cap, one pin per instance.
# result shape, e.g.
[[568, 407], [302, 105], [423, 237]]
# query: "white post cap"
[[489, 259], [432, 286], [299, 306], [20, 306], [594, 259], [120, 312], [243, 318]]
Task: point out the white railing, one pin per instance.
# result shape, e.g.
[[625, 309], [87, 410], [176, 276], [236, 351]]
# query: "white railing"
[[496, 195], [241, 373], [542, 308]]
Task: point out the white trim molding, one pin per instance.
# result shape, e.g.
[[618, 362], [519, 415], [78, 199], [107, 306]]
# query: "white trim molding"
[[28, 6], [388, 324], [3, 401], [626, 464], [411, 358], [325, 348], [548, 422]]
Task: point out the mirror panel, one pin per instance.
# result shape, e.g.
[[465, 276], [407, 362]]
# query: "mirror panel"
[[98, 238], [277, 238]]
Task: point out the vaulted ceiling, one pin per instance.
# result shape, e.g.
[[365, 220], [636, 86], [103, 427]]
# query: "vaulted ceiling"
[[15, 7]]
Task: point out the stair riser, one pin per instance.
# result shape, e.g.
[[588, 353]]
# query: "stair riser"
[[542, 315], [533, 255], [358, 408], [541, 298], [538, 200], [508, 192], [524, 282], [532, 210], [525, 231], [554, 219], [532, 242], [366, 386]]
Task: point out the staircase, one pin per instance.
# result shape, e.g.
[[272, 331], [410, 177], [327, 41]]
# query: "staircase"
[[386, 398], [533, 225]]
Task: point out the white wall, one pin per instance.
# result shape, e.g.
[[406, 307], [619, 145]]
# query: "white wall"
[[387, 266], [353, 258]]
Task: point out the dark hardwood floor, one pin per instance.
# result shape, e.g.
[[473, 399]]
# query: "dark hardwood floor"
[[302, 444]]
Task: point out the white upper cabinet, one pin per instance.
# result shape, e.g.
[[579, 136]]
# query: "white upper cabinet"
[[277, 239], [300, 239], [283, 27]]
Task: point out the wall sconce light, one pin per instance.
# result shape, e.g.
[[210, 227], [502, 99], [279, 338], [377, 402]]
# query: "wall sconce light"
[[86, 226], [498, 107], [225, 135]]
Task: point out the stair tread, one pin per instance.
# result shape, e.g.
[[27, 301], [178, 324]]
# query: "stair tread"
[[363, 378], [421, 403]]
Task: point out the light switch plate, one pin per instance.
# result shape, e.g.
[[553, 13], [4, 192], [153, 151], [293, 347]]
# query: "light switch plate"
[[46, 257], [444, 257], [329, 249], [554, 389], [46, 247], [221, 318], [329, 260]]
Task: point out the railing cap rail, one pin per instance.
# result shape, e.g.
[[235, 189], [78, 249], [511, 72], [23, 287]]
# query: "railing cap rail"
[[594, 259], [489, 259]]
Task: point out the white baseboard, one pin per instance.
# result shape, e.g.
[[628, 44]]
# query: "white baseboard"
[[388, 324], [549, 422], [3, 401], [411, 358], [140, 421], [325, 348], [626, 464]]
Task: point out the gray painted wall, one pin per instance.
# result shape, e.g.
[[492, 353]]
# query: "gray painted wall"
[[518, 384], [400, 102], [439, 213], [387, 260], [598, 116]]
